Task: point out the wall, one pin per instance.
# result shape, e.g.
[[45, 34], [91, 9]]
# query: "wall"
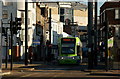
[[17, 8], [56, 31], [9, 7], [110, 6], [110, 13], [54, 11], [31, 23], [81, 17]]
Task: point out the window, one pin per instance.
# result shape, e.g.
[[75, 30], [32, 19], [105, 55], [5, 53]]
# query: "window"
[[68, 48], [5, 14], [22, 17], [117, 13], [33, 5], [61, 11], [68, 11], [101, 19], [104, 17], [7, 3], [43, 12], [61, 18]]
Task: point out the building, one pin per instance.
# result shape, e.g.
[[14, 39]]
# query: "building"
[[73, 16], [56, 25], [70, 13], [40, 32], [111, 10], [17, 9], [0, 37]]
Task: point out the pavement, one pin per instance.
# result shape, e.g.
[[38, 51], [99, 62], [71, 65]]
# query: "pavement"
[[19, 66]]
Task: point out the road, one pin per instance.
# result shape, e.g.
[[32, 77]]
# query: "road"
[[57, 72], [56, 75]]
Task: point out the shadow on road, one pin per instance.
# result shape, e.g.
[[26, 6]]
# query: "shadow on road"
[[62, 78]]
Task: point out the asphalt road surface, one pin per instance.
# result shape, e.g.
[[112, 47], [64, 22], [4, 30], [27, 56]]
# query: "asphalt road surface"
[[56, 75], [58, 72]]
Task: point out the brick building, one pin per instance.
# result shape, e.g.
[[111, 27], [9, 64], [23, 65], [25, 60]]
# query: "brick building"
[[111, 10]]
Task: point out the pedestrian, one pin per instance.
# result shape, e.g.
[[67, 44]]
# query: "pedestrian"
[[30, 57]]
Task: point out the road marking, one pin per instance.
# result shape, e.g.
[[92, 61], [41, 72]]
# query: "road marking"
[[5, 73]]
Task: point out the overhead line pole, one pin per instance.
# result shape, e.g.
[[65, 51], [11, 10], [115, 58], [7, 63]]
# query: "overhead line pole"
[[106, 41], [90, 41], [6, 58], [26, 32], [50, 25], [95, 34], [50, 34], [11, 44]]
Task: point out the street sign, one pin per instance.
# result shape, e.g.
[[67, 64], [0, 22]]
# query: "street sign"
[[36, 42]]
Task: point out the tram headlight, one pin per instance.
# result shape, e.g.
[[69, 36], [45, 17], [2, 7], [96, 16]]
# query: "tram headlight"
[[76, 57], [60, 57], [73, 57]]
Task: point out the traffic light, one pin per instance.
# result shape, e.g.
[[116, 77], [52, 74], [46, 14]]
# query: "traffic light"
[[5, 37], [111, 32], [18, 21], [14, 30], [3, 30]]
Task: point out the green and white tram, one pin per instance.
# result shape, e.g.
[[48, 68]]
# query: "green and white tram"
[[70, 50]]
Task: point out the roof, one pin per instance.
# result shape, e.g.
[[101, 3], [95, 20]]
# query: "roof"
[[74, 5]]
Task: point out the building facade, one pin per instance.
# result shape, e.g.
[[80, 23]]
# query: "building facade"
[[111, 11], [17, 9], [0, 37]]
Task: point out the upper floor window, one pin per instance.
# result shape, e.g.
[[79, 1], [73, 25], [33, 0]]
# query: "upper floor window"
[[68, 11], [61, 10], [5, 14], [43, 12], [61, 18], [104, 17], [22, 17], [7, 3], [117, 13], [33, 5]]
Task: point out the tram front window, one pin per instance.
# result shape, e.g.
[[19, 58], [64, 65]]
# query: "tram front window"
[[68, 48]]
